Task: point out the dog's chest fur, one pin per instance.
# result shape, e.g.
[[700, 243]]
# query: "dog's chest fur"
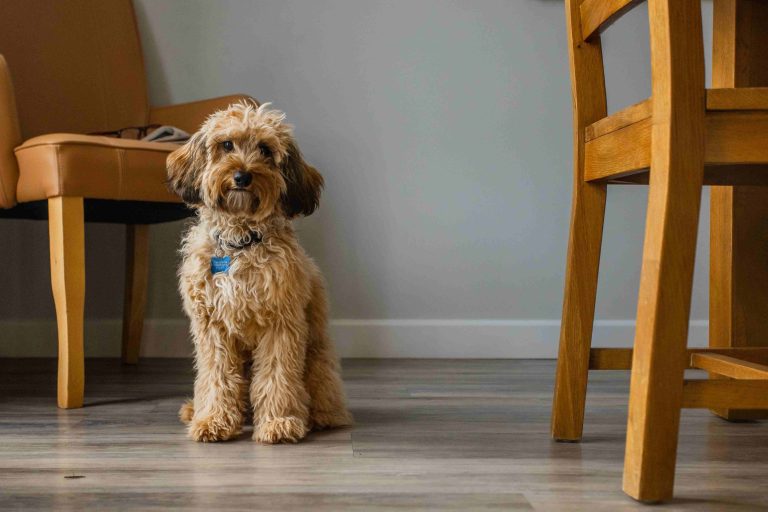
[[262, 280]]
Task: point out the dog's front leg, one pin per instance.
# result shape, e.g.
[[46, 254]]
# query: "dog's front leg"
[[219, 386], [279, 399]]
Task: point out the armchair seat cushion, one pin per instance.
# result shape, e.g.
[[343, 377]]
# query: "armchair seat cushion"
[[90, 166]]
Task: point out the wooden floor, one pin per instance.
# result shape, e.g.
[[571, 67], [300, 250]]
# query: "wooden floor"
[[430, 435]]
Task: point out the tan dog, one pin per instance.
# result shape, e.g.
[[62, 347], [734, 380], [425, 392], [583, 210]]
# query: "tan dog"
[[256, 301]]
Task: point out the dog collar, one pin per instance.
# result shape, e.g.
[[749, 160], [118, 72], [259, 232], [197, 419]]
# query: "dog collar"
[[252, 238]]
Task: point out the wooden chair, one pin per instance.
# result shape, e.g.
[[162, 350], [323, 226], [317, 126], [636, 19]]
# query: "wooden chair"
[[681, 138], [77, 68]]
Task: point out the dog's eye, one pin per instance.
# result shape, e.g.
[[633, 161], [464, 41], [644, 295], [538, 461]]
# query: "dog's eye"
[[265, 151], [228, 146]]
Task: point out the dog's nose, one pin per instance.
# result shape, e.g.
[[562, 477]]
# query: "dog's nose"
[[242, 178]]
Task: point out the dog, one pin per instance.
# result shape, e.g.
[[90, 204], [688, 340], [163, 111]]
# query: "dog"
[[256, 302]]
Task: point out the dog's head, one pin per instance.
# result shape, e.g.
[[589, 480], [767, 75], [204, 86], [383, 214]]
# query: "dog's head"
[[244, 161]]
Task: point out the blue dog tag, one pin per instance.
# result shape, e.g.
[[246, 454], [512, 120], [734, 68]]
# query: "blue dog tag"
[[219, 265]]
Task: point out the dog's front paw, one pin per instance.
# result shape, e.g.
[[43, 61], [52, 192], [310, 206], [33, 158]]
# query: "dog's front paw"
[[330, 419], [288, 429], [213, 428]]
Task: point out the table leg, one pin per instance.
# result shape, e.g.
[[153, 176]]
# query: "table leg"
[[738, 311]]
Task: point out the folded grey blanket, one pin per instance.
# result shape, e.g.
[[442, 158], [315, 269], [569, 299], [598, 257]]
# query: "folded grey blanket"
[[167, 134]]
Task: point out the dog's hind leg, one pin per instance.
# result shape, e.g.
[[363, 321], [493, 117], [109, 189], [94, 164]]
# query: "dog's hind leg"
[[187, 411], [321, 378]]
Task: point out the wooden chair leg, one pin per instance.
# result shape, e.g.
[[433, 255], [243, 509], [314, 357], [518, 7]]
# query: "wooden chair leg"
[[136, 266], [666, 279], [738, 297], [581, 274], [67, 241], [659, 357], [586, 234]]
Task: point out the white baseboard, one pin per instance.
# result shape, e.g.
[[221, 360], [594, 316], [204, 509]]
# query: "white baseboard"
[[356, 338]]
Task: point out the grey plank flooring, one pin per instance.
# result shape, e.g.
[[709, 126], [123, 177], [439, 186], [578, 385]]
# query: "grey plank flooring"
[[430, 435]]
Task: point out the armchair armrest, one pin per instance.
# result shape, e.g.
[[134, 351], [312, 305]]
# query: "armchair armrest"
[[189, 116], [10, 137]]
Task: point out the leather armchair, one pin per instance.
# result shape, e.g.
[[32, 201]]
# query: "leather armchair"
[[68, 69]]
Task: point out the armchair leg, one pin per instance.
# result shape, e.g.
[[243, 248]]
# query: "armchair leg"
[[66, 226], [136, 266]]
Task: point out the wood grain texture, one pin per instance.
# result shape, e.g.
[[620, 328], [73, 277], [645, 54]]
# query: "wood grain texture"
[[621, 358], [136, 272], [429, 435], [742, 99], [666, 278], [619, 153], [585, 238], [735, 153], [739, 215], [728, 366], [746, 98], [597, 14], [66, 226], [720, 394], [738, 303], [737, 137], [618, 120]]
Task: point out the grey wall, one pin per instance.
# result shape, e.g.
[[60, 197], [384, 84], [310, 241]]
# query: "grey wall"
[[443, 129]]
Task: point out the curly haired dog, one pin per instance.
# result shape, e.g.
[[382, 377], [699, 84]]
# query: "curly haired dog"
[[256, 301]]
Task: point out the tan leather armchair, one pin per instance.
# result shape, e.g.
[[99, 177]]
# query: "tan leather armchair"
[[68, 68]]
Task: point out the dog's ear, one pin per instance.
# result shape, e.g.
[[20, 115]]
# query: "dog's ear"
[[303, 183], [184, 168]]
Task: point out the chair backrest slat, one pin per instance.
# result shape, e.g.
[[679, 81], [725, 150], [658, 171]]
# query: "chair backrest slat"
[[597, 14], [677, 54]]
